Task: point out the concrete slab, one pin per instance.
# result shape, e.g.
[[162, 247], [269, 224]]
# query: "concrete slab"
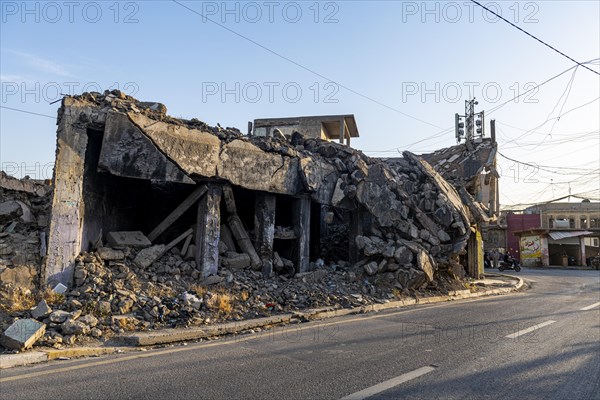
[[22, 334], [136, 239]]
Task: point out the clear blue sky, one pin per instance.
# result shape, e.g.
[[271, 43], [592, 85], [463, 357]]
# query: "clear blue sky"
[[383, 61]]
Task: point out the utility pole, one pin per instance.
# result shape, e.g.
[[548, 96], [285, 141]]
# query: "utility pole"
[[470, 125]]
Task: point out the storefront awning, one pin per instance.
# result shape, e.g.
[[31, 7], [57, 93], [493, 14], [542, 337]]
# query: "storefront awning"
[[567, 234]]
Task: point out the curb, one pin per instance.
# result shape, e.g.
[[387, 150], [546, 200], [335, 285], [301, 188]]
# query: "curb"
[[166, 336], [35, 357]]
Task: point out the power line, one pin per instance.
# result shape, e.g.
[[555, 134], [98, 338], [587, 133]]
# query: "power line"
[[494, 109], [435, 135], [550, 119], [28, 112], [305, 68], [541, 168], [577, 195], [532, 36]]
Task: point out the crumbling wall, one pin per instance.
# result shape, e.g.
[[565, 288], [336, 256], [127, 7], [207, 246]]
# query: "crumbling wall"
[[24, 216]]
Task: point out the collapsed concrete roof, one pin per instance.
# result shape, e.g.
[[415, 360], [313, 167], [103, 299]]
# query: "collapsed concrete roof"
[[462, 164], [407, 203]]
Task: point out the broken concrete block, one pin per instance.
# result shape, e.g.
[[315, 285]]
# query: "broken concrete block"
[[9, 210], [72, 327], [41, 311], [59, 288], [27, 216], [236, 261], [109, 254], [148, 255], [125, 305], [212, 280], [443, 236], [191, 252], [89, 320], [191, 300], [338, 192], [371, 268], [277, 261], [119, 240], [21, 276], [403, 255], [22, 334], [59, 316], [425, 264]]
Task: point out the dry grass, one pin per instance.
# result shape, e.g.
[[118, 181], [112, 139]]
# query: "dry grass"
[[221, 302], [16, 299], [244, 296], [198, 289], [51, 297]]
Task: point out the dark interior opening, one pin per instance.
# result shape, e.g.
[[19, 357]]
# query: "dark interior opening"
[[284, 218], [113, 203], [244, 203]]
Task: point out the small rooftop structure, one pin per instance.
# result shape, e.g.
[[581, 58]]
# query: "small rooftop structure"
[[326, 127]]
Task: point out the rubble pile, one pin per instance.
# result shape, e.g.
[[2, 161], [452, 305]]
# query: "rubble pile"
[[112, 295], [24, 215], [414, 225]]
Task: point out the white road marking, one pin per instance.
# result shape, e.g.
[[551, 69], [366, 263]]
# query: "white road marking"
[[590, 307], [531, 329], [373, 390]]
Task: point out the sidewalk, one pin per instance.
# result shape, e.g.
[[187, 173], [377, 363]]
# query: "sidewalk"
[[492, 284], [574, 267]]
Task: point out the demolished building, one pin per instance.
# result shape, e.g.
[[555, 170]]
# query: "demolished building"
[[125, 166], [156, 221]]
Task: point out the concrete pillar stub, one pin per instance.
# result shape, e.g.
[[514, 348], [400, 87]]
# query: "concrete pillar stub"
[[208, 231], [264, 226], [301, 220]]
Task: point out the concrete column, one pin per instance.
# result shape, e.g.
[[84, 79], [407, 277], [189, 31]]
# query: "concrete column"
[[475, 255], [208, 231], [582, 254], [493, 195], [66, 227], [301, 220], [545, 251], [342, 131], [264, 226], [356, 229]]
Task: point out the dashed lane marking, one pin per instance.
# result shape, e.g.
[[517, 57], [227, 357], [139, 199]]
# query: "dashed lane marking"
[[528, 330], [590, 307], [373, 390]]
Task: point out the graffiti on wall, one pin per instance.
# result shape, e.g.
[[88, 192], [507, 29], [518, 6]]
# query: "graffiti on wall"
[[531, 247]]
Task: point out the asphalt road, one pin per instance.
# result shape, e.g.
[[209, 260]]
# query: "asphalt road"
[[538, 344]]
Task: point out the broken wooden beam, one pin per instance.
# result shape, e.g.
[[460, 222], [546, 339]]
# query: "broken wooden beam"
[[243, 240], [178, 212], [229, 199], [186, 244], [175, 242], [227, 238]]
